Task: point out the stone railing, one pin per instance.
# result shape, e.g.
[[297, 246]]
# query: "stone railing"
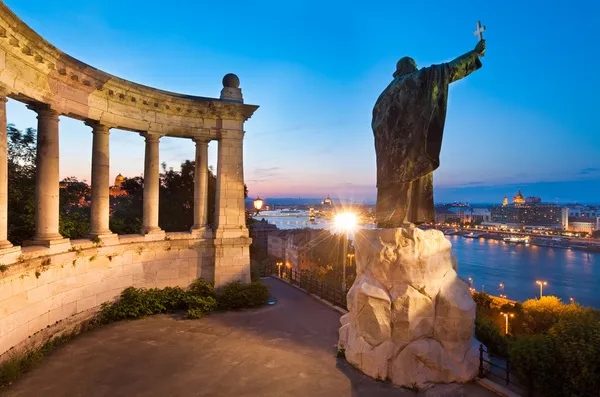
[[52, 282]]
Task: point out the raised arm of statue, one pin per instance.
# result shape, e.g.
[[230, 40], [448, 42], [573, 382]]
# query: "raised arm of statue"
[[465, 64]]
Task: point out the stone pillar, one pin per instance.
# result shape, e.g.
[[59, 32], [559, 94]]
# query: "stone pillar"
[[47, 178], [232, 244], [100, 181], [4, 243], [201, 188], [151, 184]]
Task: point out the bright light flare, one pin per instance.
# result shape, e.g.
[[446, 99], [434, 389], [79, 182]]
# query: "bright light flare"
[[345, 221]]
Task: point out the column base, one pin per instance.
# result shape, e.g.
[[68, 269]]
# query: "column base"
[[46, 242], [5, 244], [231, 232], [9, 254], [105, 237], [201, 231], [152, 230]]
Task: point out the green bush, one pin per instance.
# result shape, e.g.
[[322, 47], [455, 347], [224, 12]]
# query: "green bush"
[[236, 295], [201, 287], [198, 300], [565, 361], [488, 333], [198, 306]]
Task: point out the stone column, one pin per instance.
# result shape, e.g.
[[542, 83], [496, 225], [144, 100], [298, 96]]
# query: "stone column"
[[4, 243], [100, 181], [151, 184], [201, 187], [47, 178], [232, 252], [230, 211]]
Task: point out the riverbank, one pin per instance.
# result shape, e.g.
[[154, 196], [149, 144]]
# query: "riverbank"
[[561, 242]]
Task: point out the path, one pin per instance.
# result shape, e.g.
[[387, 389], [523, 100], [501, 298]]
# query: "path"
[[283, 350]]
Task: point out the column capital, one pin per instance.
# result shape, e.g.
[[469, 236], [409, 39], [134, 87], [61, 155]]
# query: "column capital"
[[4, 92], [151, 136], [224, 134], [201, 140], [44, 110], [97, 126]]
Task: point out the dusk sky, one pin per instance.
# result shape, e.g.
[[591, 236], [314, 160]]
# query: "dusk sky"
[[528, 119]]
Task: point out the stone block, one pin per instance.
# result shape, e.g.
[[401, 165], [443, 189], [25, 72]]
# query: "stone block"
[[38, 323], [86, 304], [62, 313], [37, 294], [7, 324], [13, 304]]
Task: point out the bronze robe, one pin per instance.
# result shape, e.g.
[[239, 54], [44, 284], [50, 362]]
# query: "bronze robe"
[[408, 124]]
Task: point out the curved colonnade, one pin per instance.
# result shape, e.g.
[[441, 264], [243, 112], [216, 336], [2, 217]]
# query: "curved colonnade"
[[51, 283]]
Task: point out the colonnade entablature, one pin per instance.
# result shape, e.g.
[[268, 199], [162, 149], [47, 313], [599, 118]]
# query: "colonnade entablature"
[[55, 84]]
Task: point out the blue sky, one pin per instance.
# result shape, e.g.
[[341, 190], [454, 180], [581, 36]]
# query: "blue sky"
[[526, 119]]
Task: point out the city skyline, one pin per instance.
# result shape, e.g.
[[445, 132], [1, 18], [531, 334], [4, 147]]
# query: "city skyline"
[[520, 122]]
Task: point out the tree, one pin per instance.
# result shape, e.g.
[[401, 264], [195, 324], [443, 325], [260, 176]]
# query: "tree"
[[74, 215], [176, 202], [21, 183]]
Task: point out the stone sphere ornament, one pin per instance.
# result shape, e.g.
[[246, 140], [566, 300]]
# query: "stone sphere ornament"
[[230, 80]]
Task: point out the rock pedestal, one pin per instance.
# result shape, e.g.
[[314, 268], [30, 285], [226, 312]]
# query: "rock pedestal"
[[411, 317]]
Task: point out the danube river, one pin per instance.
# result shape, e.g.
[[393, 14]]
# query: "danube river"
[[569, 273]]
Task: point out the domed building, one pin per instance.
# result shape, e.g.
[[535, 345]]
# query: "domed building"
[[115, 190], [519, 199]]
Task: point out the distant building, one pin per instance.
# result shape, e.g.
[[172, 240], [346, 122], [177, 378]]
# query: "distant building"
[[523, 213], [505, 201], [260, 231], [462, 214], [518, 199], [303, 248], [116, 190], [586, 225]]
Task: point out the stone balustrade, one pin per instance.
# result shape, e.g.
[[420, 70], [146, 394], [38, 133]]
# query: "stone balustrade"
[[52, 282]]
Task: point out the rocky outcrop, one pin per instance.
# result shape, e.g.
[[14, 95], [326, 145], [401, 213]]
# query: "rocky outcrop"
[[411, 318]]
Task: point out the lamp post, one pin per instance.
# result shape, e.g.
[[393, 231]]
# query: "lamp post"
[[541, 284], [506, 315], [502, 288], [258, 204], [345, 221], [279, 264], [471, 282]]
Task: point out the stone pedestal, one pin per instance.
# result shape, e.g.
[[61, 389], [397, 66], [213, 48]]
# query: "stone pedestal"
[[411, 317]]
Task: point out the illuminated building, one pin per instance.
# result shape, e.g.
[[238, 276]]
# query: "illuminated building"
[[518, 199], [505, 202], [115, 190], [532, 213]]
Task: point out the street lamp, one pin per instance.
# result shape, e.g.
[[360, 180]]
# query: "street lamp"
[[471, 282], [506, 315], [279, 264], [502, 288], [346, 222], [572, 300], [541, 284], [258, 204]]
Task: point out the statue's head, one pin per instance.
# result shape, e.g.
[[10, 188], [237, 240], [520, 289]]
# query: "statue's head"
[[404, 66]]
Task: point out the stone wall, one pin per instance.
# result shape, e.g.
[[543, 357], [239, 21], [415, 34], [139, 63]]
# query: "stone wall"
[[43, 292]]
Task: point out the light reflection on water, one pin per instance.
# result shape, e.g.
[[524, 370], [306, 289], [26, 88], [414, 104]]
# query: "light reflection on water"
[[569, 273]]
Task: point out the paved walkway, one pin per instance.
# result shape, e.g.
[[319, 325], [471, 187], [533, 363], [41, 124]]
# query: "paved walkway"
[[283, 350]]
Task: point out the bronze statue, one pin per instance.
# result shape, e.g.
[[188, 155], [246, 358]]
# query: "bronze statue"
[[408, 124]]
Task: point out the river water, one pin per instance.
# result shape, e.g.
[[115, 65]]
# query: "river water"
[[569, 273]]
